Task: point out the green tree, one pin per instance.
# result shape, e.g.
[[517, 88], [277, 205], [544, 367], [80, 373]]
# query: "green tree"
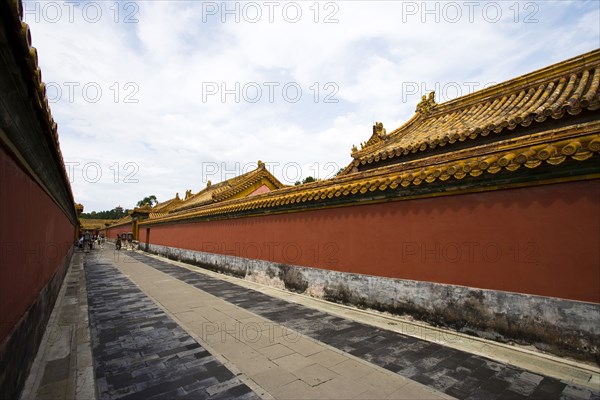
[[109, 214], [308, 179], [150, 200]]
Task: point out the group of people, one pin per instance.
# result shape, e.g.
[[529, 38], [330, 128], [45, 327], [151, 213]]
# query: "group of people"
[[124, 239], [88, 240]]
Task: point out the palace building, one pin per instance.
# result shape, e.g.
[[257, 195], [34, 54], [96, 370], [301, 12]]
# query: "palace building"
[[481, 214], [249, 184]]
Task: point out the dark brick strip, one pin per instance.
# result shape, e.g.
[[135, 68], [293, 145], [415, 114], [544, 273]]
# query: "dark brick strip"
[[140, 353], [457, 373]]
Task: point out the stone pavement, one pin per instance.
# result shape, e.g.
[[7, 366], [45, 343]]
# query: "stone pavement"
[[276, 361], [63, 367], [140, 353], [454, 372], [163, 330]]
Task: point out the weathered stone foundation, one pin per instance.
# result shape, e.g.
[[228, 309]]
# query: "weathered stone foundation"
[[18, 351], [562, 327]]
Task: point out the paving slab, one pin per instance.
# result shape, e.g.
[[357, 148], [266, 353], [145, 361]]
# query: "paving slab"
[[140, 352], [62, 367], [455, 372], [270, 357]]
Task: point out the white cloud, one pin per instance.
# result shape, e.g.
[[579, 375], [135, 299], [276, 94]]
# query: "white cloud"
[[374, 58]]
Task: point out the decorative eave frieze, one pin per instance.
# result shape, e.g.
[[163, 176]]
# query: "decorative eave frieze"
[[512, 158]]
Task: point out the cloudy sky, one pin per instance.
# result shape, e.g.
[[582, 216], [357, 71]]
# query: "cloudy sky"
[[157, 97]]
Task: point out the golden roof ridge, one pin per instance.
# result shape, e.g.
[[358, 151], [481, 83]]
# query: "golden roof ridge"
[[547, 148], [227, 188], [553, 71], [564, 88]]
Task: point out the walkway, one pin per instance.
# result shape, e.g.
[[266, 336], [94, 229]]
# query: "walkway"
[[161, 330], [140, 353]]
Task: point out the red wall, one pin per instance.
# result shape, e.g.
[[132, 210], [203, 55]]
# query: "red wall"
[[112, 233], [540, 240], [35, 237]]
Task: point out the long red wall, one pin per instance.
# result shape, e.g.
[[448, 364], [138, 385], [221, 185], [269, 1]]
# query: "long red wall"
[[540, 240], [35, 237], [111, 233]]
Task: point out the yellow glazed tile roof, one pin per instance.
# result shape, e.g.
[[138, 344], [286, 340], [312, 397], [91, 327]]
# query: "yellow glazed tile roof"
[[168, 205], [229, 188], [553, 93], [530, 157], [566, 88], [11, 14], [122, 221], [89, 224]]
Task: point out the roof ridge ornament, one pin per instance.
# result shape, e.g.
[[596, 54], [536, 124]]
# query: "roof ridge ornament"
[[379, 135], [427, 104]]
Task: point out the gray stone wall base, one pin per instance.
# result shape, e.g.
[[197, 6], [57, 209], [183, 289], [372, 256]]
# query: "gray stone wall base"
[[558, 326]]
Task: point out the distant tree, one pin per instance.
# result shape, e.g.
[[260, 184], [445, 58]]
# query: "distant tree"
[[308, 179], [339, 172], [115, 213], [150, 200]]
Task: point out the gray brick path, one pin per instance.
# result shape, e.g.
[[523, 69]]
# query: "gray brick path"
[[140, 353], [457, 373]]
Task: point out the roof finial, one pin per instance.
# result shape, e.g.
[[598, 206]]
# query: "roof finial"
[[379, 135], [208, 184], [426, 104], [261, 164], [379, 130]]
